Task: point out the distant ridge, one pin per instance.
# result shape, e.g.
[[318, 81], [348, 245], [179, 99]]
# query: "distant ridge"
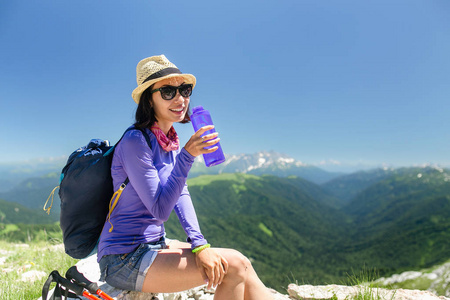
[[348, 186], [262, 163], [13, 213], [11, 174]]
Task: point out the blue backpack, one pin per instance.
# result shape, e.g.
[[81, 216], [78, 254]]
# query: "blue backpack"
[[87, 194]]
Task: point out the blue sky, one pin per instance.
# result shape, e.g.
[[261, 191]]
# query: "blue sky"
[[353, 83]]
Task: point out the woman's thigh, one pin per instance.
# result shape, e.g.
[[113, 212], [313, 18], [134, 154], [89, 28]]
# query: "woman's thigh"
[[176, 270], [176, 244], [173, 270]]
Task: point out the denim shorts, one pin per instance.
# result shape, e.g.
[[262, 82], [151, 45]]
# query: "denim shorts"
[[127, 271]]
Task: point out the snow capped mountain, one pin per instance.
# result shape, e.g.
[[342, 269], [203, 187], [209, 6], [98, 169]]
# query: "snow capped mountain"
[[261, 160], [260, 163]]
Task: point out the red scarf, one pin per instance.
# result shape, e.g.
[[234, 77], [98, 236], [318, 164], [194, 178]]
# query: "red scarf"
[[169, 142]]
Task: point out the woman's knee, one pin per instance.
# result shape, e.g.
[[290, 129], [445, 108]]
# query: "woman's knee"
[[238, 264]]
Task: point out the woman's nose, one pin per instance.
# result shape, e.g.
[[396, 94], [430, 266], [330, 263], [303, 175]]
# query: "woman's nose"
[[179, 98]]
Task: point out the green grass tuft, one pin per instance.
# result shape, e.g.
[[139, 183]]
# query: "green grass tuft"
[[36, 256]]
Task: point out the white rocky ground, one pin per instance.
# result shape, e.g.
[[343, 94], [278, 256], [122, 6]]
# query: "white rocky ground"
[[90, 269], [339, 292], [439, 278]]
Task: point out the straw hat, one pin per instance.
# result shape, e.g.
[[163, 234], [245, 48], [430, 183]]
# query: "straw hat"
[[154, 69]]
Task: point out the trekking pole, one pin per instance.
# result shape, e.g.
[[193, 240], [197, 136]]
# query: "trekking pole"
[[79, 279], [67, 284]]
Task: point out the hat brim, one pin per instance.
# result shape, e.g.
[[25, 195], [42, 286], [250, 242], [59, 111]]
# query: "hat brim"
[[137, 92]]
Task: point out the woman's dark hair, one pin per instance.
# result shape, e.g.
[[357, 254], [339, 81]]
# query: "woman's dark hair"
[[145, 115]]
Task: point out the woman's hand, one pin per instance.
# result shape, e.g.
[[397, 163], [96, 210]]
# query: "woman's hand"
[[196, 144], [212, 265]]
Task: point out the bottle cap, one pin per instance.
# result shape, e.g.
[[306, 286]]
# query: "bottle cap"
[[197, 109]]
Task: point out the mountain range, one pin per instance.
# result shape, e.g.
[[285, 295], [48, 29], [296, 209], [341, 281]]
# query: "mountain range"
[[261, 163], [314, 228]]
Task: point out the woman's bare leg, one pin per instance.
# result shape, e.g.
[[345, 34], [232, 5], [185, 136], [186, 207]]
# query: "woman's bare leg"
[[241, 280], [173, 270], [176, 270], [176, 244]]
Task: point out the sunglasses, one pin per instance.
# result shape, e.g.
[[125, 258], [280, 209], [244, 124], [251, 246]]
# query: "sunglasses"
[[168, 92]]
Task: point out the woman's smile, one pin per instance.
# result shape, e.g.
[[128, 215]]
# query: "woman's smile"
[[178, 110]]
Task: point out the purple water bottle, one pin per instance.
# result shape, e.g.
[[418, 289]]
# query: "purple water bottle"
[[200, 117]]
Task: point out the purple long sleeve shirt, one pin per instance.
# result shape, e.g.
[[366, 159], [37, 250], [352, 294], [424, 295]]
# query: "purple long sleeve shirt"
[[157, 186]]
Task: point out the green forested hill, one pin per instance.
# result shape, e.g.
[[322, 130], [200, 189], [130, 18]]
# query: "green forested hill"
[[346, 187], [398, 192], [33, 192], [403, 221], [272, 220], [11, 213]]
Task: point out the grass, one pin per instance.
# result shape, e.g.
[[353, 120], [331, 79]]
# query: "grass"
[[358, 286], [366, 289], [22, 258]]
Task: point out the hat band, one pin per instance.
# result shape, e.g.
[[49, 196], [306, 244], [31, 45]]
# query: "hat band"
[[162, 73]]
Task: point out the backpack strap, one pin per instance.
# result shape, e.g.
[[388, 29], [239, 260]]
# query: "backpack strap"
[[144, 133], [146, 136], [115, 197]]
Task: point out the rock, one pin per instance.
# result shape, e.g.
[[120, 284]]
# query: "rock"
[[278, 296], [402, 294], [396, 278], [8, 270], [308, 292], [2, 260], [439, 278], [32, 276], [339, 292]]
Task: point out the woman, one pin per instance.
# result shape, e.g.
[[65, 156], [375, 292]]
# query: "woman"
[[133, 251]]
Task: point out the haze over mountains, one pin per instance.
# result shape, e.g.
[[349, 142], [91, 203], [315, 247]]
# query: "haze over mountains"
[[297, 222], [258, 163]]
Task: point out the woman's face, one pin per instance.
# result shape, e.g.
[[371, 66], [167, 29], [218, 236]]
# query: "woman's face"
[[169, 111]]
